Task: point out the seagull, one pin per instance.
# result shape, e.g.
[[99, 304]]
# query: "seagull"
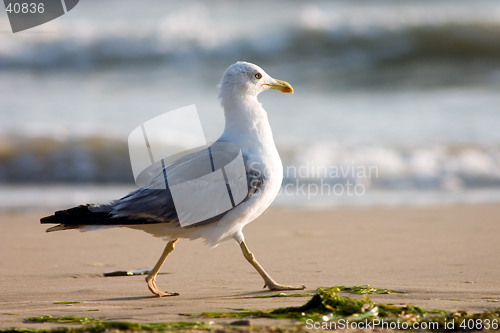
[[153, 210]]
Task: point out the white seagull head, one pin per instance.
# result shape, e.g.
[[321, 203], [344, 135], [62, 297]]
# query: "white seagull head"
[[245, 79]]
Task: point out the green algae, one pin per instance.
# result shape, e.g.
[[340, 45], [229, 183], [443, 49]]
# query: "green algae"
[[97, 326], [64, 320], [327, 305], [366, 289]]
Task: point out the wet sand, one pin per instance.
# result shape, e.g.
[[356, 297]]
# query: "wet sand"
[[437, 257]]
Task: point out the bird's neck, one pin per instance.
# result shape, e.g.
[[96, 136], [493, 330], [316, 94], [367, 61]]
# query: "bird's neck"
[[246, 121]]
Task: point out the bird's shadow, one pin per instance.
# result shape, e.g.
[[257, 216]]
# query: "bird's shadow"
[[254, 293], [240, 295], [134, 298], [259, 293]]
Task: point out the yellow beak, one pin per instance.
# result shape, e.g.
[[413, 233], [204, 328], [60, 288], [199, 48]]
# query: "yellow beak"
[[282, 86]]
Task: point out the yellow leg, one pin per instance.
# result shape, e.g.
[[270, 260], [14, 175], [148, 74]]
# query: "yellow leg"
[[150, 279], [268, 281]]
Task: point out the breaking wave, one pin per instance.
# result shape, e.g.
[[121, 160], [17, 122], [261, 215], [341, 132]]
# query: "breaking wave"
[[348, 35]]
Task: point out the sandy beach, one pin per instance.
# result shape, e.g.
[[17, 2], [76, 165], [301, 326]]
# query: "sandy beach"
[[389, 147], [436, 257]]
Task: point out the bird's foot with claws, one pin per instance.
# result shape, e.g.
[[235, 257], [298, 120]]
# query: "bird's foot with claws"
[[154, 289], [275, 286]]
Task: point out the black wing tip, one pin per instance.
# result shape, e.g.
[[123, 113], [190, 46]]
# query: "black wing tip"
[[48, 219], [61, 216], [81, 215]]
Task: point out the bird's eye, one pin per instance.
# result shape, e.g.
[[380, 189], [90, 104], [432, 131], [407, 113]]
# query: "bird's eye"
[[258, 76]]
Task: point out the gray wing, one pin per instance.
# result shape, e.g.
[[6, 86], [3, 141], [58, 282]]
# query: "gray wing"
[[154, 201]]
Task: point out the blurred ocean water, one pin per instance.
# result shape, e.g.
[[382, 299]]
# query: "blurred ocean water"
[[411, 88]]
